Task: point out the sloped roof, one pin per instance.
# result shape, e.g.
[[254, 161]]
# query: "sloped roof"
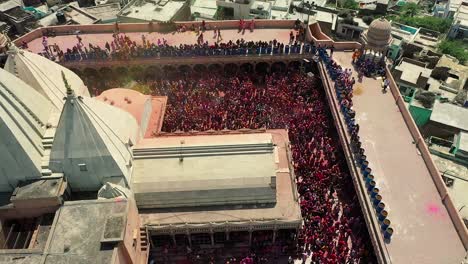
[[44, 75], [23, 117], [95, 134]]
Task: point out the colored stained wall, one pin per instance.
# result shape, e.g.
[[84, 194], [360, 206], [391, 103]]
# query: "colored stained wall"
[[420, 115]]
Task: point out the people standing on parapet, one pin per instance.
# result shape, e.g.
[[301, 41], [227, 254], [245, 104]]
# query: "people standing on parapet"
[[385, 84], [45, 44], [252, 25], [219, 38]]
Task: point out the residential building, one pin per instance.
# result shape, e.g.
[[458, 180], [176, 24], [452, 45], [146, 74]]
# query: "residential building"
[[158, 11]]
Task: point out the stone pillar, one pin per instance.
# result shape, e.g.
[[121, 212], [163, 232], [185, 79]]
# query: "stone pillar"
[[227, 235], [250, 237], [173, 239], [274, 235], [212, 239], [189, 238], [297, 235]]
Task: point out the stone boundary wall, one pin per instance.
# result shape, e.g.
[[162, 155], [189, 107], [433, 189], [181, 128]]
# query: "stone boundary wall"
[[425, 154]]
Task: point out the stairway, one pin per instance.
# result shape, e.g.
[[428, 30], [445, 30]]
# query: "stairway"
[[33, 116], [47, 142], [144, 246]]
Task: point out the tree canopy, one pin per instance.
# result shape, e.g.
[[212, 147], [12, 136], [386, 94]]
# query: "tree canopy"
[[441, 25], [455, 48], [350, 4], [410, 9]]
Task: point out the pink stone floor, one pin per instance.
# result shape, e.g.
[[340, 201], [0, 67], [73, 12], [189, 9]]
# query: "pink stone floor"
[[68, 41]]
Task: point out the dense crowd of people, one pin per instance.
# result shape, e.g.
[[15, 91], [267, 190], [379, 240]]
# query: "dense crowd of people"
[[367, 66], [334, 230]]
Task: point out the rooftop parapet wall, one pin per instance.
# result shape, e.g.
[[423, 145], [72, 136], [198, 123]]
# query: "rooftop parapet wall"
[[425, 154], [315, 35]]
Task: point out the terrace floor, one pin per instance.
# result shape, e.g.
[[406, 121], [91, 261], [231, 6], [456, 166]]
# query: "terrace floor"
[[68, 41], [423, 230]]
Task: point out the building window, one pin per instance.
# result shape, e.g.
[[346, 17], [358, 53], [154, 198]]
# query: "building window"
[[83, 167]]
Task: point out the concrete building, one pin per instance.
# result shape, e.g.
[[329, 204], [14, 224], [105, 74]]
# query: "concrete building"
[[12, 12], [105, 13], [244, 9], [373, 6], [204, 10], [160, 11], [72, 15], [225, 174], [87, 231], [411, 75], [346, 30], [459, 29], [235, 9], [447, 120]]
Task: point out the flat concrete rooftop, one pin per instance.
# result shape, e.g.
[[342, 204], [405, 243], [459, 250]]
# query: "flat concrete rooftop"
[[205, 170], [286, 207], [423, 229]]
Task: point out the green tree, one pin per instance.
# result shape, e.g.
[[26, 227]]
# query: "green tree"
[[455, 48], [438, 24], [367, 19], [350, 4], [410, 9]]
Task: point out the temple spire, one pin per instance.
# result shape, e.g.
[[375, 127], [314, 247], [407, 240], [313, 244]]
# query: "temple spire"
[[70, 92]]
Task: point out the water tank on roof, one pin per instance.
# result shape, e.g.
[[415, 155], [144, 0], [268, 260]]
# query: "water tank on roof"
[[61, 17]]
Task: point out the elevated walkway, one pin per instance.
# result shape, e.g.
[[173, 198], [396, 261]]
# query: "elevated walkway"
[[427, 227]]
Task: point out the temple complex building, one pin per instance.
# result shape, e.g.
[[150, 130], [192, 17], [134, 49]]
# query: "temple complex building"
[[224, 151]]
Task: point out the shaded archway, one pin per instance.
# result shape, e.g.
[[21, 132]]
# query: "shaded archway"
[[185, 69], [106, 72], [169, 71], [262, 68], [152, 72], [199, 68], [90, 72], [121, 71], [294, 65], [246, 67], [91, 78], [230, 69], [278, 66], [215, 68], [136, 72]]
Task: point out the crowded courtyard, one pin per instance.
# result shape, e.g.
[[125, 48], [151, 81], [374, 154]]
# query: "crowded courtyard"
[[281, 97]]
